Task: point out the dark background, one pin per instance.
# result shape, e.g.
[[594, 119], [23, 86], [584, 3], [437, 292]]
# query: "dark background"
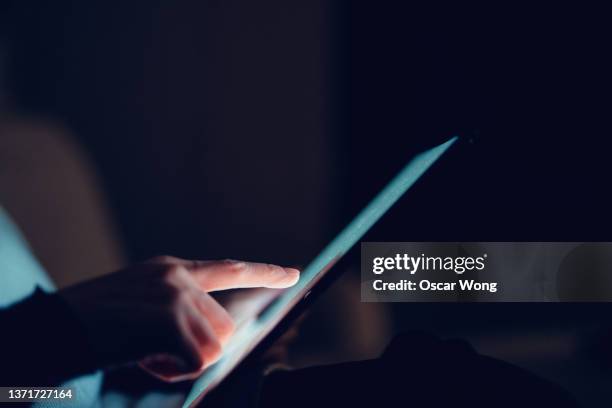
[[257, 129], [341, 92]]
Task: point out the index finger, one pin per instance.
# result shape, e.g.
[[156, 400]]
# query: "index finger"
[[229, 274]]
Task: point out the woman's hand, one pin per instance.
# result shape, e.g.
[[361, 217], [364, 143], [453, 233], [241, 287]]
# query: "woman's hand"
[[159, 312]]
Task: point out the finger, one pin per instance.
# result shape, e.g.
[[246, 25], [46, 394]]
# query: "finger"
[[220, 275], [208, 345], [188, 345], [191, 356], [220, 320]]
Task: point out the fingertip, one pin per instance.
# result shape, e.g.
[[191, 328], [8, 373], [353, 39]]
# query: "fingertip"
[[291, 277], [226, 330], [293, 274], [211, 353]]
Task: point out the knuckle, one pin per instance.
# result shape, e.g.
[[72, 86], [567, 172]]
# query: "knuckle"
[[174, 274], [236, 267], [230, 263], [270, 272], [272, 269]]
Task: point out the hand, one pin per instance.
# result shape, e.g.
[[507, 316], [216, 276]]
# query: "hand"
[[159, 312]]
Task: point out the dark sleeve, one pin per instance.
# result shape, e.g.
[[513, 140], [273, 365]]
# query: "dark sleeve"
[[42, 343]]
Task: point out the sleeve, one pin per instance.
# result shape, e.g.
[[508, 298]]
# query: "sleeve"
[[42, 343]]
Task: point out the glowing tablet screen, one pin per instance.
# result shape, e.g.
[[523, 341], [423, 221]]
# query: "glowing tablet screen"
[[250, 333]]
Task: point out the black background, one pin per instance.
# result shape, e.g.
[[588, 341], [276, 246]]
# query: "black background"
[[526, 85]]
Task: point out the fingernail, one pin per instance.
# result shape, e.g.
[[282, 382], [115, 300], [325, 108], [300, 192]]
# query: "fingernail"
[[283, 277], [292, 275]]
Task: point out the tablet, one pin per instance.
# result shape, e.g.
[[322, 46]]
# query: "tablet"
[[252, 332]]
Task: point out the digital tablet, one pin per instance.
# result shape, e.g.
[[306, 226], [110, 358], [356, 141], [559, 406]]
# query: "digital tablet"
[[258, 330]]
